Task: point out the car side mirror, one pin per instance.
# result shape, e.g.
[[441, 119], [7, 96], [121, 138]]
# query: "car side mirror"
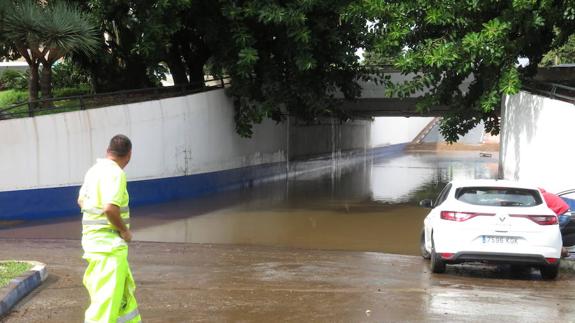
[[426, 203]]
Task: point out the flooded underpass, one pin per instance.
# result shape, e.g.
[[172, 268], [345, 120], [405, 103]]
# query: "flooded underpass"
[[287, 251], [361, 204]]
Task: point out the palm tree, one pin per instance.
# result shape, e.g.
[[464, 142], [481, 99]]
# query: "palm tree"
[[43, 33], [66, 29], [21, 32]]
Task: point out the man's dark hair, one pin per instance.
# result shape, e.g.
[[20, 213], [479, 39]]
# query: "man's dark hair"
[[120, 146]]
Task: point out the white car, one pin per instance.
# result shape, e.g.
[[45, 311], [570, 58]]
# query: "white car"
[[492, 221]]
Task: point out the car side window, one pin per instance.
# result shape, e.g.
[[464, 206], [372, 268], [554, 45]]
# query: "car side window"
[[443, 195]]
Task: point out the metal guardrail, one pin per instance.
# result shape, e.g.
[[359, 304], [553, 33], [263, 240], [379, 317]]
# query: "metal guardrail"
[[98, 100], [551, 90]]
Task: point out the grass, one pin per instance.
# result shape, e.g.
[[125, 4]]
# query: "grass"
[[10, 270], [8, 98]]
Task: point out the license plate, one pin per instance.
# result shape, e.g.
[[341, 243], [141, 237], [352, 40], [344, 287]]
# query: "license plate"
[[498, 240]]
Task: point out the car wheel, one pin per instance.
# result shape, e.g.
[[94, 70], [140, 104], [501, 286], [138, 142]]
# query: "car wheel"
[[437, 264], [549, 272], [424, 253]]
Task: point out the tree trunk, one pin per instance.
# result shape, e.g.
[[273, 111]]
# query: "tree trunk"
[[195, 53], [196, 70], [33, 85], [136, 76], [195, 60], [46, 84], [176, 65]]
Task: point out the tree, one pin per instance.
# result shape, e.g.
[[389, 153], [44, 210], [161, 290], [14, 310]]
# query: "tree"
[[65, 29], [42, 34], [283, 57], [4, 48], [119, 63], [448, 42], [288, 57], [21, 32], [562, 55], [374, 58], [144, 36]]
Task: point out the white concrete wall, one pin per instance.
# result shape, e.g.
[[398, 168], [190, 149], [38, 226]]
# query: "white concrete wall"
[[327, 136], [396, 130], [17, 66], [171, 137], [536, 140]]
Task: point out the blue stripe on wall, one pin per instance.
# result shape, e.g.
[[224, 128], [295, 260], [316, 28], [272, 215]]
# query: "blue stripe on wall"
[[61, 201]]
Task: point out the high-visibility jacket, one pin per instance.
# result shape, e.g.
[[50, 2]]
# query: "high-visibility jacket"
[[104, 183]]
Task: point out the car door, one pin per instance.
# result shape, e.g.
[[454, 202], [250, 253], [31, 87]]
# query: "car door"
[[569, 197], [434, 214]]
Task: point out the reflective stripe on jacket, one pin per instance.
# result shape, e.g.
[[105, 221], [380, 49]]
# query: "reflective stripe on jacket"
[[104, 183]]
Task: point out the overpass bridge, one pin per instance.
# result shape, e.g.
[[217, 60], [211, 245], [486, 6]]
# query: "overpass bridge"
[[390, 107], [556, 82], [373, 101]]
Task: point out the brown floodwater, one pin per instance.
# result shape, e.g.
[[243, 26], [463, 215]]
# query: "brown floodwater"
[[362, 204]]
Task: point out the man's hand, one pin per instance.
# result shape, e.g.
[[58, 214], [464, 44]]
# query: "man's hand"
[[126, 235]]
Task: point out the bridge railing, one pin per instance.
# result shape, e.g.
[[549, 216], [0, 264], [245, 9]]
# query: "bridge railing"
[[551, 90], [90, 101]]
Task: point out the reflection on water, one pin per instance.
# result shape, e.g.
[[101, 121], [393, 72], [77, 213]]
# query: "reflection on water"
[[371, 205], [413, 177], [368, 205]]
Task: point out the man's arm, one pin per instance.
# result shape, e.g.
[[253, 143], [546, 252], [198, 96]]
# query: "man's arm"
[[113, 214]]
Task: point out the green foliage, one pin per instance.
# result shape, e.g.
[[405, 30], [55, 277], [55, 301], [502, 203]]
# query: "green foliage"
[[72, 91], [55, 29], [562, 55], [42, 33], [12, 79], [449, 43], [288, 57], [10, 270], [376, 58], [10, 97], [66, 74]]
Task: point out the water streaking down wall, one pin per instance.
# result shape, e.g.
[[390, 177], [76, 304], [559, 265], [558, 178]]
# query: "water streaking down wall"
[[536, 138], [61, 201]]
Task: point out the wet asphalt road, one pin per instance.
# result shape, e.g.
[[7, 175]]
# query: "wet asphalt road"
[[225, 283]]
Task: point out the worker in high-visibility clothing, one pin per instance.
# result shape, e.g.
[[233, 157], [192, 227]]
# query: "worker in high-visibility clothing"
[[104, 202]]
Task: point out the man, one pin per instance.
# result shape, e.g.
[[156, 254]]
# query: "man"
[[559, 207], [104, 202]]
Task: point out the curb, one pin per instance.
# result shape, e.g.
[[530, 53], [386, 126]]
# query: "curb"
[[22, 286]]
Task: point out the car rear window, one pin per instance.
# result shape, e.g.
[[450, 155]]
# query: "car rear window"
[[498, 196]]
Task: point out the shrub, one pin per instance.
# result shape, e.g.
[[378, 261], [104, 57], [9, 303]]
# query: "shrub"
[[10, 97], [72, 91], [12, 79], [67, 75]]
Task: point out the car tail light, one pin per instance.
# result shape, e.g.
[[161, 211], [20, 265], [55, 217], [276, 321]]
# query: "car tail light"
[[446, 255], [461, 216], [539, 219], [552, 260]]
